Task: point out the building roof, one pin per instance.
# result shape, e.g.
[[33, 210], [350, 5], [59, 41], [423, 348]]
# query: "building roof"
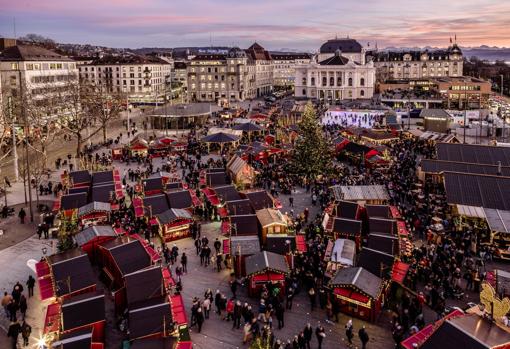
[[31, 53], [260, 199], [236, 164], [150, 318], [227, 193], [477, 190], [360, 192], [347, 209], [244, 224], [248, 245], [382, 211], [498, 220], [344, 252], [473, 153], [80, 339], [180, 110], [214, 179], [242, 206], [209, 57], [180, 65], [346, 226], [173, 214], [102, 177], [128, 59], [376, 262], [80, 177], [144, 284], [94, 206], [270, 216], [289, 56], [359, 277], [440, 166], [73, 201], [128, 253], [265, 261], [153, 183], [156, 204], [257, 52], [382, 225], [344, 45], [467, 331], [103, 192], [71, 272], [337, 59], [154, 343], [179, 199], [83, 310], [92, 232], [384, 243], [434, 113]]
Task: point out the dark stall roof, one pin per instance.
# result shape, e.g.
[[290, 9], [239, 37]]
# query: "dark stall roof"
[[467, 331], [374, 261], [71, 271], [473, 153], [153, 184], [173, 185], [248, 245], [214, 179], [78, 177], [81, 339], [356, 148], [439, 166], [384, 243], [347, 226], [78, 190], [260, 199], [73, 201], [92, 232], [360, 278], [173, 214], [498, 220], [179, 199], [347, 209], [227, 193], [246, 224], [266, 261], [381, 211], [128, 253], [82, 310], [144, 284], [157, 203], [103, 192], [154, 343], [382, 225], [150, 317], [280, 244], [240, 207], [102, 177], [477, 190], [94, 206]]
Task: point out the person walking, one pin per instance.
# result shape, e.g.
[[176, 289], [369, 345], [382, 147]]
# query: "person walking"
[[280, 315], [206, 305], [26, 330], [199, 319], [237, 315], [320, 333], [13, 333], [184, 263], [308, 332], [6, 300], [363, 337], [23, 306], [30, 285], [312, 295], [22, 214], [349, 331]]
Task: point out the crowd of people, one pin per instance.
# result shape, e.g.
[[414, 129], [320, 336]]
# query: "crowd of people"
[[15, 307]]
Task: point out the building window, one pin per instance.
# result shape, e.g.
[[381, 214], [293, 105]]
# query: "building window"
[[350, 84], [362, 93], [324, 81], [331, 81], [304, 92], [313, 81], [339, 81], [362, 81], [304, 81]]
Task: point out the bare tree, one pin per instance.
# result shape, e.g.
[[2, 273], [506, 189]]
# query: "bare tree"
[[105, 107]]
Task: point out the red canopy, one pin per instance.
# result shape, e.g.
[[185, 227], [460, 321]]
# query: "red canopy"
[[351, 294], [178, 311], [300, 243], [399, 271], [211, 196], [52, 320], [184, 345], [268, 277], [43, 273], [155, 257]]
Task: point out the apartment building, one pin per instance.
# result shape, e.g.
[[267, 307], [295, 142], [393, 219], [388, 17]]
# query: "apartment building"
[[284, 67]]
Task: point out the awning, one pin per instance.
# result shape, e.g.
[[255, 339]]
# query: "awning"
[[300, 243], [225, 227], [399, 271], [395, 213], [178, 311], [52, 319], [418, 338], [268, 277], [184, 345], [351, 295], [43, 273], [402, 229], [211, 196], [471, 211]]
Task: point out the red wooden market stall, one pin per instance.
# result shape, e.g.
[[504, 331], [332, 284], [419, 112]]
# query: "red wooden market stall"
[[266, 267]]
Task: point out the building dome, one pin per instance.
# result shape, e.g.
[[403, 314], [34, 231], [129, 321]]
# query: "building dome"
[[455, 49], [345, 45]]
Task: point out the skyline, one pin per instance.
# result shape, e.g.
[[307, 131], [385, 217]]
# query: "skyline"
[[295, 24]]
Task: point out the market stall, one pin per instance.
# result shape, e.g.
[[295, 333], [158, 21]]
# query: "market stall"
[[266, 267], [90, 238], [339, 254], [94, 213], [272, 222], [174, 224], [242, 174]]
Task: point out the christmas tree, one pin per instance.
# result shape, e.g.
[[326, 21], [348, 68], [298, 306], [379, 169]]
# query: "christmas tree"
[[312, 154]]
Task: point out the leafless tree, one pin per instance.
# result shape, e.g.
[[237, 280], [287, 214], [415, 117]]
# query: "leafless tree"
[[105, 107]]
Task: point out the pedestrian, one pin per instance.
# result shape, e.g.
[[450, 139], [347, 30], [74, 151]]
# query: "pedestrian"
[[12, 309], [22, 214], [237, 315], [26, 330], [280, 315], [217, 245], [320, 333], [13, 333], [233, 287], [312, 295], [206, 305], [349, 331], [308, 333], [291, 201], [217, 302], [290, 297], [6, 299], [363, 337], [184, 263], [200, 319], [23, 306]]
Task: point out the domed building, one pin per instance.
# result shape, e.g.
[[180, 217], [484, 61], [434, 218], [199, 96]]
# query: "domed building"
[[335, 74]]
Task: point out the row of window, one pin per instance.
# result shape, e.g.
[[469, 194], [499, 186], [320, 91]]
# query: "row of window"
[[44, 66], [332, 81], [52, 78], [336, 94]]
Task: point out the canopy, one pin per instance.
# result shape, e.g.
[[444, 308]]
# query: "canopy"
[[248, 127], [220, 137]]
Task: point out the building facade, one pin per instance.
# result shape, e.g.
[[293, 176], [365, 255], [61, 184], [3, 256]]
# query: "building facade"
[[284, 67], [36, 73], [263, 69], [142, 78], [335, 78], [393, 65], [349, 48]]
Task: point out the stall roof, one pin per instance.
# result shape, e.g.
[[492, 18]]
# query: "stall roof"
[[471, 211], [440, 166], [382, 225], [477, 190], [102, 177], [248, 244], [94, 206], [346, 226], [359, 277], [154, 343], [498, 220], [473, 153], [71, 271], [270, 216], [347, 209], [78, 190], [239, 207], [280, 243], [158, 204], [215, 179], [264, 261], [150, 317], [81, 339], [103, 192], [384, 243], [356, 148], [227, 193], [155, 183], [80, 177], [467, 331], [179, 199], [220, 137], [73, 201], [360, 192], [260, 199], [237, 164], [375, 261], [382, 211], [83, 310], [344, 252], [173, 214], [92, 232], [144, 284], [128, 253], [246, 224]]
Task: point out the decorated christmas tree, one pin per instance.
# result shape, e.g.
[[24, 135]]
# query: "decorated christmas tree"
[[312, 155]]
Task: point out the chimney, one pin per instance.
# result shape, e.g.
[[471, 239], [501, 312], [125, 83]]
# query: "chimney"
[[499, 168], [6, 42]]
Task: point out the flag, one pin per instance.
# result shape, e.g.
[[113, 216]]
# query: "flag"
[[450, 39]]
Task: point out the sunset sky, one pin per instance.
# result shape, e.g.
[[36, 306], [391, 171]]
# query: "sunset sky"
[[276, 24]]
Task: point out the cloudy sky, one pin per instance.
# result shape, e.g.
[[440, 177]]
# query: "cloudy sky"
[[276, 24]]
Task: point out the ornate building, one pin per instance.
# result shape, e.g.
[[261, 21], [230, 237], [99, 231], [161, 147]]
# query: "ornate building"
[[284, 67], [409, 65], [263, 69], [337, 76]]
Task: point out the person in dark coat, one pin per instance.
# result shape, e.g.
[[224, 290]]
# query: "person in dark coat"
[[26, 330], [363, 337], [237, 315], [13, 333], [308, 332], [199, 319], [320, 333], [23, 306], [280, 315], [22, 214]]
